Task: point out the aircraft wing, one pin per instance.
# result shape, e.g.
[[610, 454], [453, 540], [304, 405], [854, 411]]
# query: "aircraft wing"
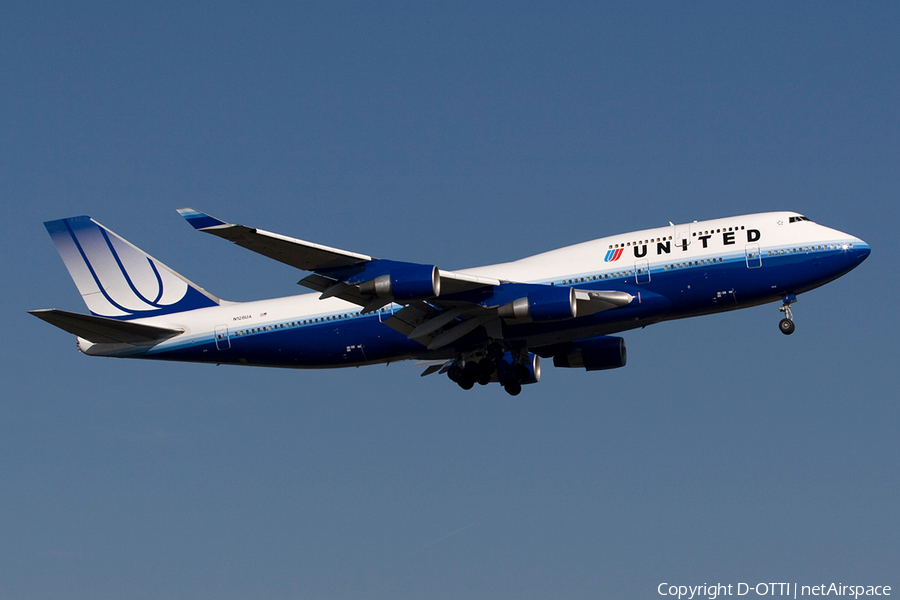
[[440, 307], [296, 253], [339, 272]]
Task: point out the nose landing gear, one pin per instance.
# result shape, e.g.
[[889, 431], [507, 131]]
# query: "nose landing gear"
[[786, 325]]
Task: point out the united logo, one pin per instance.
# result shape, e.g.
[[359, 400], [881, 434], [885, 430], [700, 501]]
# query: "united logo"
[[613, 255]]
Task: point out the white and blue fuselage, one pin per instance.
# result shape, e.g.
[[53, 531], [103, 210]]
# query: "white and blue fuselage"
[[614, 284]]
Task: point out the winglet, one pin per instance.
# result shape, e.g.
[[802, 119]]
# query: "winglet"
[[199, 220]]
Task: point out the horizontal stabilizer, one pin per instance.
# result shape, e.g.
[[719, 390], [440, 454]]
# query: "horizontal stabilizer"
[[101, 330]]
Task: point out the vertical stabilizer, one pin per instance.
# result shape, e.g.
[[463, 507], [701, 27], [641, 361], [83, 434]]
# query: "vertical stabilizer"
[[117, 279]]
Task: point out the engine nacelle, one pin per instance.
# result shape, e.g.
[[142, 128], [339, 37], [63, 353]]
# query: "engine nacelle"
[[593, 354], [534, 369], [405, 283], [552, 304], [524, 373]]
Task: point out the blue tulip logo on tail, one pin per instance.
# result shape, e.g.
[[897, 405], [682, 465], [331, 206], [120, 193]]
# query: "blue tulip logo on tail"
[[118, 280]]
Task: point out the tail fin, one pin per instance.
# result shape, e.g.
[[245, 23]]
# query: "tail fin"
[[118, 280]]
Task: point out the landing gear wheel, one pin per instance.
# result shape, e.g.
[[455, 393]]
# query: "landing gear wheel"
[[469, 375], [470, 371], [455, 374], [786, 326], [486, 365], [513, 388]]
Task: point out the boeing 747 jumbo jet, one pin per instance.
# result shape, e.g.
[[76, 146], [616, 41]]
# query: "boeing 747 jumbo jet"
[[476, 325]]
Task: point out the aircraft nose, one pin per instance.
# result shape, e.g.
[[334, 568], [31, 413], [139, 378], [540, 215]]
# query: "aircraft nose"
[[861, 250], [864, 253]]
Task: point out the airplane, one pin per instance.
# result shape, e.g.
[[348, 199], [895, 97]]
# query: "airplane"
[[477, 325]]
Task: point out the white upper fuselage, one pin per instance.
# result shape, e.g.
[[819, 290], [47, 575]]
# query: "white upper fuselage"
[[726, 237]]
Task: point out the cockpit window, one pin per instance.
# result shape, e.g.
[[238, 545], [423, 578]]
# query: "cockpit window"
[[798, 219]]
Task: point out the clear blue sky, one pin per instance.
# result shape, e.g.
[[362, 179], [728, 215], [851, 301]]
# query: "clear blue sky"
[[458, 134]]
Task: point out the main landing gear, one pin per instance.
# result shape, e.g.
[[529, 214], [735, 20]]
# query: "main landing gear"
[[786, 325], [482, 371]]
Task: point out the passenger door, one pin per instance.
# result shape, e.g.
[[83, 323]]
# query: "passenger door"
[[754, 258], [223, 340]]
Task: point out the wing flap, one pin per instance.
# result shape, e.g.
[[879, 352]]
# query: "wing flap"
[[432, 366], [448, 336], [323, 284], [407, 319], [429, 326]]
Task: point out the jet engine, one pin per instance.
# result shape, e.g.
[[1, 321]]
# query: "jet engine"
[[552, 304], [405, 283], [523, 372]]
